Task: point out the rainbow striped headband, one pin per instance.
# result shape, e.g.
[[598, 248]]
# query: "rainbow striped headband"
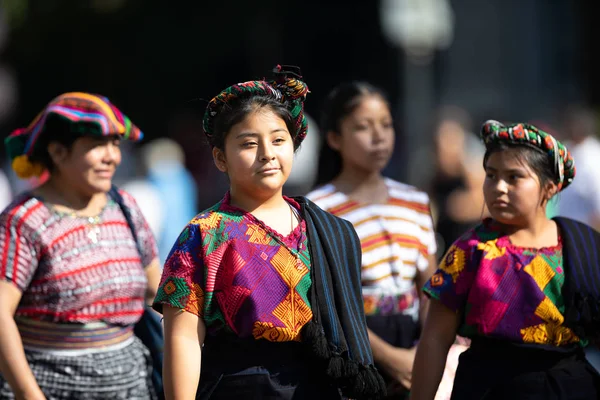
[[101, 117]]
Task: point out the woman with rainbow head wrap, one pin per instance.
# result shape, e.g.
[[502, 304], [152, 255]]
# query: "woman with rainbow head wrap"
[[261, 292], [523, 287], [74, 278]]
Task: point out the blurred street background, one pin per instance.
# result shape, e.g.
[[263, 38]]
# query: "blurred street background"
[[445, 65]]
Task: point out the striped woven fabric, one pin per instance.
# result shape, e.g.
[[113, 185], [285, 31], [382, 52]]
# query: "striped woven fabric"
[[100, 116], [72, 271], [396, 239], [48, 336]]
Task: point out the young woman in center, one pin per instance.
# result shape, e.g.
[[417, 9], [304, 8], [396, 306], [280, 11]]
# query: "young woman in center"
[[392, 220], [261, 292], [523, 287]]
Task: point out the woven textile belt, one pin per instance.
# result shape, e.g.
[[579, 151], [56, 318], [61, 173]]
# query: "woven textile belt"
[[51, 336], [377, 302]]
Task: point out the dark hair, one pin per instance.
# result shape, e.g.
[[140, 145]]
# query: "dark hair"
[[234, 112], [56, 129], [340, 102], [532, 156]]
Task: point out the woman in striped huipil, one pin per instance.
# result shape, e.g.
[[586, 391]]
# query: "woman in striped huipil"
[[392, 219], [74, 278]]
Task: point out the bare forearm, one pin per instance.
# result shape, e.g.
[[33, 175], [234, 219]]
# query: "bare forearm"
[[428, 368], [379, 347], [13, 364], [181, 370], [423, 308]]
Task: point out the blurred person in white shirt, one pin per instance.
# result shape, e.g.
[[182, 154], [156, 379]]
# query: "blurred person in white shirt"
[[5, 192], [581, 201]]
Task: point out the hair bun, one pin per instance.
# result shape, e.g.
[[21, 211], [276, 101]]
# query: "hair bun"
[[288, 80], [490, 127]]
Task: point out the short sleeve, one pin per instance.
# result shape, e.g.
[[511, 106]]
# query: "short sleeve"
[[451, 283], [18, 254], [145, 237], [182, 282]]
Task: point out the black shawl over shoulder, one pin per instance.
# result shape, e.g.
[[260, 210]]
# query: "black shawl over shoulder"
[[581, 254], [338, 332]]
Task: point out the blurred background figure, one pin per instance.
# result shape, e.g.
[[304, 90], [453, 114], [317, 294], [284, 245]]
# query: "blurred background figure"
[[5, 191], [581, 201], [150, 202], [176, 192], [392, 220], [306, 159], [456, 185]]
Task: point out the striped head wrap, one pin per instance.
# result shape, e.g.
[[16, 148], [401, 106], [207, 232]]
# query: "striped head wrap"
[[89, 114], [286, 87], [493, 132]]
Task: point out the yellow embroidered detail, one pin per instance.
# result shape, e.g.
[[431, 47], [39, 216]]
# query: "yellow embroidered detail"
[[266, 330], [293, 312], [195, 303], [541, 272], [454, 262], [491, 249], [211, 221], [548, 312], [552, 334], [257, 235]]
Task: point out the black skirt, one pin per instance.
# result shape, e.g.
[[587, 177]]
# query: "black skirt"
[[496, 369], [258, 369]]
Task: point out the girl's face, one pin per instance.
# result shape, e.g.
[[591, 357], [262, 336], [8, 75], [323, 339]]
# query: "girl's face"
[[512, 189], [366, 138], [89, 165], [258, 155]]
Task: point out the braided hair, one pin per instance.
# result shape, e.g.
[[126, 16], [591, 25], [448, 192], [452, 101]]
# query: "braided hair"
[[284, 94]]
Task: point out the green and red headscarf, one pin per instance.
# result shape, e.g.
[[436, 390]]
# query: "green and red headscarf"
[[493, 132], [286, 87]]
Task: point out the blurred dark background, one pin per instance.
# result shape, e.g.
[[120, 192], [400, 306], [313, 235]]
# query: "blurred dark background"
[[159, 63]]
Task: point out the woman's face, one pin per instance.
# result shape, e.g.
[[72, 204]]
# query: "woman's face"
[[366, 138], [89, 165], [512, 189], [258, 155]]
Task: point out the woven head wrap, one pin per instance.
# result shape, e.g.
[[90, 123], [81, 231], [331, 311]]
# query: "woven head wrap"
[[493, 132], [89, 114], [286, 87]]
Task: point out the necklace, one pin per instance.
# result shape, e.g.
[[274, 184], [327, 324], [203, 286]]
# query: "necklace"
[[93, 228], [92, 225], [93, 222]]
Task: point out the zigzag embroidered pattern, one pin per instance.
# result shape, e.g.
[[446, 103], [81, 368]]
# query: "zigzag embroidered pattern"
[[508, 292], [239, 275]]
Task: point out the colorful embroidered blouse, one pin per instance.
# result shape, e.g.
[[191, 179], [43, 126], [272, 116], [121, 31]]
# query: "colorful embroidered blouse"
[[239, 275], [72, 271], [503, 291]]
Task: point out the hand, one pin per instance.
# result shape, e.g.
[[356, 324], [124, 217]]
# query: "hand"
[[398, 365]]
